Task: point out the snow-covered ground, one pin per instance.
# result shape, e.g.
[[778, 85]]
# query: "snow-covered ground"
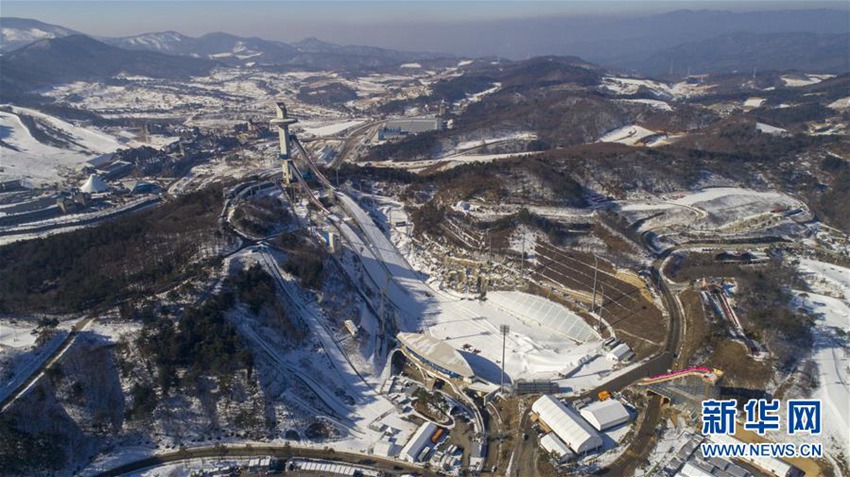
[[535, 348], [753, 102], [795, 81], [773, 130], [21, 356], [519, 136], [630, 86], [16, 335], [28, 157], [719, 206], [450, 163], [655, 103], [629, 135], [329, 129], [830, 303], [840, 104], [23, 155]]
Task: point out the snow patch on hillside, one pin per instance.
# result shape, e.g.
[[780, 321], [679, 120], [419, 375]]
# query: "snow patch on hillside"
[[329, 129], [629, 135], [796, 81], [655, 103], [831, 350], [25, 156], [840, 104], [772, 130]]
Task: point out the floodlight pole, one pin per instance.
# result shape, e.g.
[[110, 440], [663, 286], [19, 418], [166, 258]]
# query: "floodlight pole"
[[504, 329], [601, 309], [595, 274]]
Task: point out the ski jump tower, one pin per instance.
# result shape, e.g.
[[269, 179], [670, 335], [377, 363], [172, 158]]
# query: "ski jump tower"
[[282, 121]]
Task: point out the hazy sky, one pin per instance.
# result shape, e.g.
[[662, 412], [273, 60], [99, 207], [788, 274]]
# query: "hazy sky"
[[335, 20]]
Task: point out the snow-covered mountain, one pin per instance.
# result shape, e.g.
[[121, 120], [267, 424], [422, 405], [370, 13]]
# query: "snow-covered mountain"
[[229, 49], [81, 58], [222, 47], [235, 50], [170, 42], [18, 32]]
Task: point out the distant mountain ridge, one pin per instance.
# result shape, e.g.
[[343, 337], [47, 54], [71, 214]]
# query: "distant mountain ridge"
[[235, 50], [743, 52], [648, 45], [18, 32], [81, 58], [224, 47]]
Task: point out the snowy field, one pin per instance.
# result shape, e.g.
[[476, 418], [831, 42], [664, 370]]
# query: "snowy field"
[[716, 206], [329, 129], [20, 354], [796, 81], [772, 130], [518, 136], [450, 163], [840, 104], [830, 303], [26, 156], [654, 103], [630, 135], [16, 336], [630, 86]]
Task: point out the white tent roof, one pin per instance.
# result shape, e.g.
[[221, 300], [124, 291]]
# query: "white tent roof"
[[94, 184], [605, 414], [410, 451], [551, 443], [567, 425], [691, 470], [620, 352]]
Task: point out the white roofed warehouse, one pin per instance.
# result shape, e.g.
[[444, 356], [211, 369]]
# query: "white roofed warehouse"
[[567, 425], [556, 447], [605, 414], [435, 356], [414, 448]]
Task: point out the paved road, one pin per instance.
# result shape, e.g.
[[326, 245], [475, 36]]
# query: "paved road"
[[12, 395], [350, 143], [84, 220], [642, 444], [527, 452], [283, 452]]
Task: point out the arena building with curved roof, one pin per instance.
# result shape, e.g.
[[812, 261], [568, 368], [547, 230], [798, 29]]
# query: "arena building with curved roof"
[[436, 356]]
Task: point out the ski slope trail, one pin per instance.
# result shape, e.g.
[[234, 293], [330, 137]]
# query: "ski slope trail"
[[370, 405]]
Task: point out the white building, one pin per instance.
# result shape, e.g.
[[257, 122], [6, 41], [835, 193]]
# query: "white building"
[[567, 425], [606, 414], [420, 440], [351, 327], [692, 470], [551, 444], [621, 352], [771, 465]]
